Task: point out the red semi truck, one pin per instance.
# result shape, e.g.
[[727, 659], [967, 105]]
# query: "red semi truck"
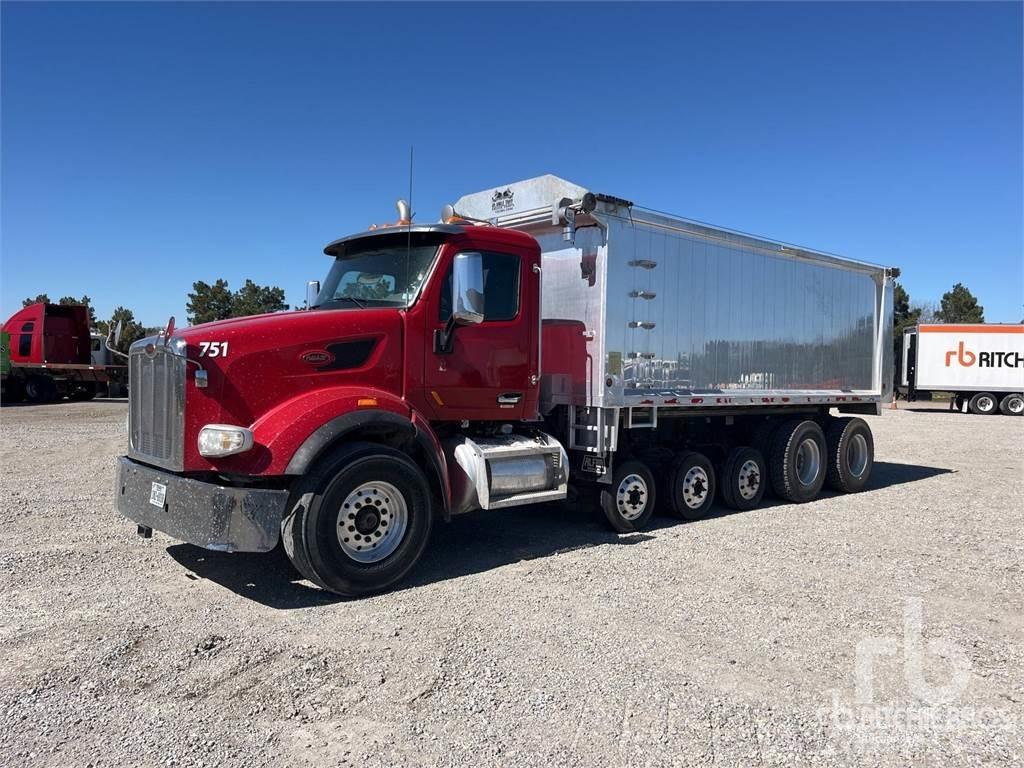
[[51, 355], [539, 338]]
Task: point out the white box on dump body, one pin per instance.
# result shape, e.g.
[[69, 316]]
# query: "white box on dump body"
[[963, 358], [681, 314]]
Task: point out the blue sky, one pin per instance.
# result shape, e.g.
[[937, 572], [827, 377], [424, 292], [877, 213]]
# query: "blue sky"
[[145, 146]]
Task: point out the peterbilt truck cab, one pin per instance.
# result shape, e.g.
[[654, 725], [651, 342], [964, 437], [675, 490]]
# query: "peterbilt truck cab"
[[330, 426]]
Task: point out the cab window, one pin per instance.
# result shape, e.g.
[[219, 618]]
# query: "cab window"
[[25, 340], [501, 288]]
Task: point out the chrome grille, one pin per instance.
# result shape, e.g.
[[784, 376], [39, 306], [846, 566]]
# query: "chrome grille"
[[156, 415]]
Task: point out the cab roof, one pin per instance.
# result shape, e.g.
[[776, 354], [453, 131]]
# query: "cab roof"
[[443, 231]]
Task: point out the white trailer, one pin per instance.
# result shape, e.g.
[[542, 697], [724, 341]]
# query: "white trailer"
[[981, 364]]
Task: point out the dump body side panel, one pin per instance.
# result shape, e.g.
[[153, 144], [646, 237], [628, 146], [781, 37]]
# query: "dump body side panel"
[[669, 315]]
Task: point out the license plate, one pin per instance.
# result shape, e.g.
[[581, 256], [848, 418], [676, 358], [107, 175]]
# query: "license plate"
[[157, 494]]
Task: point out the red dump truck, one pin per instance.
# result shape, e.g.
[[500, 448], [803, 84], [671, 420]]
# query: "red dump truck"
[[540, 338], [51, 355]]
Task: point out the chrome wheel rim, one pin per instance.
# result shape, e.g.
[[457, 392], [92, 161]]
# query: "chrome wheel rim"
[[749, 480], [695, 487], [1015, 404], [631, 497], [857, 455], [986, 404], [808, 462], [372, 522]]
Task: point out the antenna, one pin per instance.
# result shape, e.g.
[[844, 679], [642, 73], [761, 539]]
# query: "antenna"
[[408, 242]]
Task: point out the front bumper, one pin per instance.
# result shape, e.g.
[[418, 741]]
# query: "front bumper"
[[205, 514]]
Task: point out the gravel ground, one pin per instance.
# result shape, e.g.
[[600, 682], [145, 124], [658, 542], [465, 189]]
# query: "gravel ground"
[[529, 637]]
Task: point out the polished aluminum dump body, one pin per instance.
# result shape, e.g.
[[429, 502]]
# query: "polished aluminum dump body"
[[679, 313]]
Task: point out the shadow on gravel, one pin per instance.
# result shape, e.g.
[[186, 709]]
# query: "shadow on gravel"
[[474, 543], [887, 473]]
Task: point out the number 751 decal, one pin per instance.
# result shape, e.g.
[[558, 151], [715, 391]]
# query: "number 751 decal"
[[213, 349]]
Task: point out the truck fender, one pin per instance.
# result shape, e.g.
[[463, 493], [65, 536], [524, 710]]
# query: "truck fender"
[[416, 429]]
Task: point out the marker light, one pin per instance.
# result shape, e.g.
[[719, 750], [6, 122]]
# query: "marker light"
[[224, 440]]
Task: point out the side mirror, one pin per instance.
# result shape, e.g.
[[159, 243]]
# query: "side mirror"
[[312, 291], [467, 298], [114, 338], [468, 288]]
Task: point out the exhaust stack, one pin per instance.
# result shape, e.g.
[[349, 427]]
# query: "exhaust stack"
[[404, 213]]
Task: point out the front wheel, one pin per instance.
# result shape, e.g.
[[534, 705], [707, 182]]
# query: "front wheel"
[[360, 521], [629, 502], [1012, 405]]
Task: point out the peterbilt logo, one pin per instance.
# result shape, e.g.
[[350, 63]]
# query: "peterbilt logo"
[[317, 357], [502, 201], [966, 358]]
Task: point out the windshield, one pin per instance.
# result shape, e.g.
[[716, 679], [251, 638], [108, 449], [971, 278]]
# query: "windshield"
[[379, 275]]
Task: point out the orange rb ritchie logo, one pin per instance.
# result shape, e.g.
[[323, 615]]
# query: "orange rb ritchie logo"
[[966, 358]]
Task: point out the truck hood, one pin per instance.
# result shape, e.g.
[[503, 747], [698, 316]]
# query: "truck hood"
[[254, 320], [255, 364]]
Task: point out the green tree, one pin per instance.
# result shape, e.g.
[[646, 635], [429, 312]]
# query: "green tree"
[[904, 315], [208, 302], [71, 300], [253, 299], [959, 305], [42, 298]]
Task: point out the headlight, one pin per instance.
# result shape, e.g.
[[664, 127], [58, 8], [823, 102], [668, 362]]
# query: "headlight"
[[223, 440]]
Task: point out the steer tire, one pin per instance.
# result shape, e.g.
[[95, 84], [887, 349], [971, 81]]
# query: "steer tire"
[[327, 508], [1012, 404], [984, 404], [743, 479], [784, 462], [851, 454], [628, 502], [679, 499]]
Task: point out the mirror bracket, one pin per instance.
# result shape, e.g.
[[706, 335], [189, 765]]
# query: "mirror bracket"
[[443, 337]]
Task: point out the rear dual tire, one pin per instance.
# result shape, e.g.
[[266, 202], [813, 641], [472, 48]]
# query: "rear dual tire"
[[743, 479], [359, 521], [689, 486], [851, 454], [804, 458], [983, 404], [797, 460], [1012, 404]]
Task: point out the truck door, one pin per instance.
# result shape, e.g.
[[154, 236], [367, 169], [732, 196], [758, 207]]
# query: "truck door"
[[487, 373]]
